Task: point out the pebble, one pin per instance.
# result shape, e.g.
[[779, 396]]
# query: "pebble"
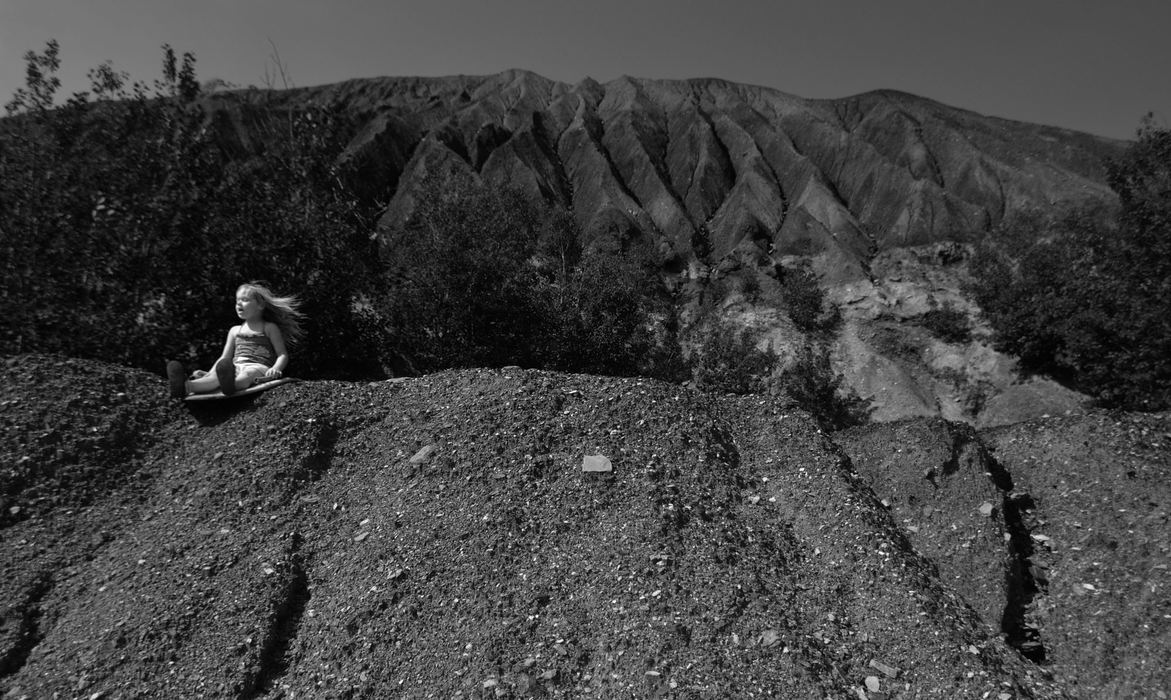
[[888, 671], [423, 455]]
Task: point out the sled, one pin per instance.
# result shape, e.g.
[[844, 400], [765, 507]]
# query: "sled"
[[254, 389]]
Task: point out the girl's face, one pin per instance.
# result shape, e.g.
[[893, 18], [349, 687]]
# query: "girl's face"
[[248, 307]]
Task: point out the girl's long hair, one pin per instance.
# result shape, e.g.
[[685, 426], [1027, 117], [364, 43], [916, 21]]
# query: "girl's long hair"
[[283, 311]]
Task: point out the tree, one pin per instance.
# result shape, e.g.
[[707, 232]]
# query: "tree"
[[483, 277], [1081, 294], [128, 220], [464, 290], [86, 190]]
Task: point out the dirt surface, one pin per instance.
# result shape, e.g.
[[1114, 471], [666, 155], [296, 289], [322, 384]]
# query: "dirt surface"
[[938, 482], [1101, 546], [1056, 530], [438, 537]]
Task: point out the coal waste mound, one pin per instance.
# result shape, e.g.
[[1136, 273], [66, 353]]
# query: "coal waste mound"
[[460, 535]]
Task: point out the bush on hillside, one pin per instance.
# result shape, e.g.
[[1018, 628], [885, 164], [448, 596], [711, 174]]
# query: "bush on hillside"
[[484, 277], [1082, 295], [813, 385], [463, 287], [728, 359], [608, 321], [947, 323], [805, 301]]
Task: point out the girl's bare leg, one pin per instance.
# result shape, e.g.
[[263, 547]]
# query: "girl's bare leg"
[[209, 383], [203, 385]]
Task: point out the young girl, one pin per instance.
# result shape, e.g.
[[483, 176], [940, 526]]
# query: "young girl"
[[254, 351]]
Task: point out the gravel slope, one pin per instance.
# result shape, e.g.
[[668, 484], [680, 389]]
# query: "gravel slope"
[[437, 537], [1101, 545], [1055, 530]]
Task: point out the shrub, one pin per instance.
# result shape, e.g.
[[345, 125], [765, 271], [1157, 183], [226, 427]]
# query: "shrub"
[[605, 322], [483, 277], [812, 384], [805, 302], [1082, 294], [728, 359], [947, 323], [461, 290]]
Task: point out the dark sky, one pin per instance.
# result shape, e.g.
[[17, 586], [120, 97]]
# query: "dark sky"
[[1089, 65]]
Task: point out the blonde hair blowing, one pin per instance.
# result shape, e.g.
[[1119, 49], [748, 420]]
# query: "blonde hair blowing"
[[283, 311]]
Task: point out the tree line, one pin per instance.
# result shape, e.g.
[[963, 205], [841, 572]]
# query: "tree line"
[[128, 220]]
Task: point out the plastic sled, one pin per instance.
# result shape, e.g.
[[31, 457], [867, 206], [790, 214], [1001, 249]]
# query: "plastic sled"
[[254, 389]]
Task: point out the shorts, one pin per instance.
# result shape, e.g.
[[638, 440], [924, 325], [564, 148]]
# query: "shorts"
[[250, 370]]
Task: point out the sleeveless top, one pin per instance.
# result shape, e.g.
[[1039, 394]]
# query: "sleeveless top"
[[253, 347]]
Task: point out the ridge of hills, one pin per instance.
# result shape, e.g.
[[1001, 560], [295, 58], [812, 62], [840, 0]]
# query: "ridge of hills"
[[754, 170], [438, 537]]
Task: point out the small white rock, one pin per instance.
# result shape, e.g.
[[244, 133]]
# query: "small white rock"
[[596, 463]]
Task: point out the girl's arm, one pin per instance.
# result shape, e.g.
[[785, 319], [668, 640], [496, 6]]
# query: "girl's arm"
[[273, 331]]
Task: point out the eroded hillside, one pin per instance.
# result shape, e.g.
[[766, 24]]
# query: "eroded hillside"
[[726, 186], [437, 537], [748, 169], [732, 203]]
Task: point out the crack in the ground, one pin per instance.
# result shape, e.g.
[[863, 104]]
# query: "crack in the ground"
[[28, 634], [1022, 583], [289, 608], [1024, 579]]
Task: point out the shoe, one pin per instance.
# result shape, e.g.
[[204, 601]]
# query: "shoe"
[[225, 371], [177, 378]]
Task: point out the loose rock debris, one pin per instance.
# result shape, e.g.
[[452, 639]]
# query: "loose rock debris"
[[313, 559]]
